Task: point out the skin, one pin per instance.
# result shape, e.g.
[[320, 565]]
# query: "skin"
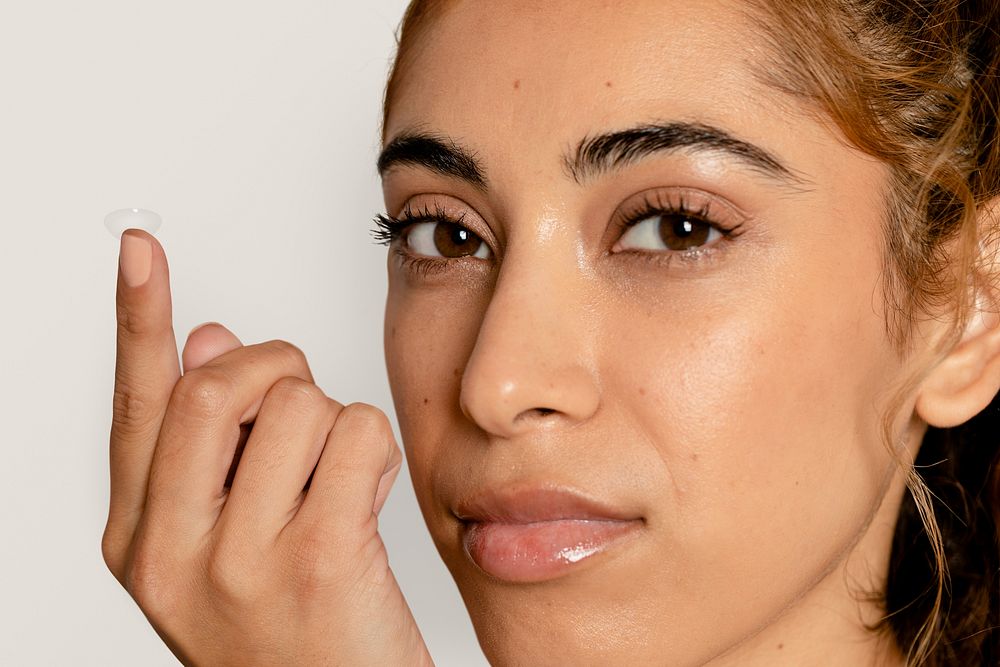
[[734, 403], [255, 569], [731, 401]]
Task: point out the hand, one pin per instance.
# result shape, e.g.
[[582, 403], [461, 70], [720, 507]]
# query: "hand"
[[283, 567]]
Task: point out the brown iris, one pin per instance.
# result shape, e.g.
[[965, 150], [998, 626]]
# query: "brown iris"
[[680, 232], [453, 240]]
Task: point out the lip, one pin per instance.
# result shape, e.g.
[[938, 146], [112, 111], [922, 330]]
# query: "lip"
[[535, 534], [528, 504]]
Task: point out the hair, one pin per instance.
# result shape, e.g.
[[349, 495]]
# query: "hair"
[[915, 84]]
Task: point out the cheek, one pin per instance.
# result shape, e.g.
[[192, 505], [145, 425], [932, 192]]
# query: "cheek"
[[763, 410], [429, 335]]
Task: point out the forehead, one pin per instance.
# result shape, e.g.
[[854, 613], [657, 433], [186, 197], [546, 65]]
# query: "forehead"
[[528, 74]]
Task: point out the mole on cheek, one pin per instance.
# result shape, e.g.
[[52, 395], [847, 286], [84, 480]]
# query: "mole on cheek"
[[517, 84]]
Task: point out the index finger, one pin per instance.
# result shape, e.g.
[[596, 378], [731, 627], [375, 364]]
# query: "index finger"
[[146, 369]]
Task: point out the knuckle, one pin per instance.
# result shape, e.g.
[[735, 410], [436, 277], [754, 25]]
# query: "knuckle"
[[295, 391], [368, 417], [147, 580], [113, 552], [130, 324], [310, 562], [204, 392], [228, 576], [288, 349], [130, 411]]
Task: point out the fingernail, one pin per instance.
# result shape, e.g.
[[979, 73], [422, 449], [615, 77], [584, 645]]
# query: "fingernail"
[[135, 259], [199, 326]]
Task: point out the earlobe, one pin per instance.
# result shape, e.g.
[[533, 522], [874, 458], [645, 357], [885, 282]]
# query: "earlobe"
[[965, 382], [967, 379]]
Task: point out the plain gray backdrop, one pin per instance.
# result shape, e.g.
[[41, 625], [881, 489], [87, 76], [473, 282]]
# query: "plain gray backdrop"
[[252, 128]]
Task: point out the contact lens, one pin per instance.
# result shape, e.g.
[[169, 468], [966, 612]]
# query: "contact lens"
[[131, 218]]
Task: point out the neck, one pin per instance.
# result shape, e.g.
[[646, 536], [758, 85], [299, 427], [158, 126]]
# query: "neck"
[[820, 629]]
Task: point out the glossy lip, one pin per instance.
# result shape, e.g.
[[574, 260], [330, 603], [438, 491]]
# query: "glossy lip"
[[523, 534], [529, 504]]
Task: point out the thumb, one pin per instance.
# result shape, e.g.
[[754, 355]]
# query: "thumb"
[[385, 484], [206, 342]]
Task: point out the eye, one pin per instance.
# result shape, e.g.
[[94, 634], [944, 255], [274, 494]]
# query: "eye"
[[674, 223], [445, 239], [669, 231]]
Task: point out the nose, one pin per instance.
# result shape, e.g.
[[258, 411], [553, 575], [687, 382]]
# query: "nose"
[[533, 363]]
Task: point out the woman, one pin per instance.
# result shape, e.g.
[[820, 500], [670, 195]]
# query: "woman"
[[692, 333]]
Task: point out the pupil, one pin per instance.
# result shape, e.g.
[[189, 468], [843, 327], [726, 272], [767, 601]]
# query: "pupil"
[[680, 233], [453, 240]]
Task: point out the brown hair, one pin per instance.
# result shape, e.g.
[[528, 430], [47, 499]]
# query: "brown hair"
[[916, 84], [414, 24]]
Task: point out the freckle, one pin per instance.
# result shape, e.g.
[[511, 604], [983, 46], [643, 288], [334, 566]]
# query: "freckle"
[[393, 332], [694, 456], [607, 83], [456, 372], [517, 84], [781, 646], [642, 391]]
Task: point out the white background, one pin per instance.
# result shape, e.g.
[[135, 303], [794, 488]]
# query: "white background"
[[252, 128]]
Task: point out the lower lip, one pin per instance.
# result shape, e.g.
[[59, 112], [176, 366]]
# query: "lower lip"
[[525, 552]]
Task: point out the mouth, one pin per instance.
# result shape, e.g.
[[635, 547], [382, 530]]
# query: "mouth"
[[536, 534]]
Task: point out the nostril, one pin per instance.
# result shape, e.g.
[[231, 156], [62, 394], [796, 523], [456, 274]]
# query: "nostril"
[[533, 414]]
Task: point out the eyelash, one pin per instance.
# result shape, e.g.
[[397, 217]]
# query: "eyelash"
[[389, 228], [659, 203]]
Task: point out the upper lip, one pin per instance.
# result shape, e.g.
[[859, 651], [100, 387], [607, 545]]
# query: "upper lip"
[[528, 504]]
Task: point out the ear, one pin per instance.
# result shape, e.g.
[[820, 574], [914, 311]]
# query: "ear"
[[966, 381]]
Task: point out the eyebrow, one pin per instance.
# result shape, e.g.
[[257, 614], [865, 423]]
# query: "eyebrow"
[[434, 152], [593, 155], [608, 152]]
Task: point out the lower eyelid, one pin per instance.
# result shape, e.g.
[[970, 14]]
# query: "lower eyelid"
[[702, 256], [420, 264], [429, 265]]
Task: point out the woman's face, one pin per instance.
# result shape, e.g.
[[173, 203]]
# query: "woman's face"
[[718, 369]]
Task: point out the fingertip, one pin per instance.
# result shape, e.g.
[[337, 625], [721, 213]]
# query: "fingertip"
[[137, 232], [135, 259], [206, 342], [141, 235]]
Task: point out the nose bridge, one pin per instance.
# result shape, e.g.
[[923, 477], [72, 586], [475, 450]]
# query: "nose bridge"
[[532, 358]]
